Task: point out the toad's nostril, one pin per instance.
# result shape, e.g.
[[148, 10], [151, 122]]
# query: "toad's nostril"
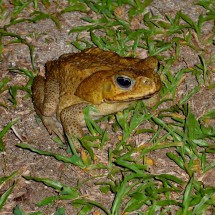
[[147, 82]]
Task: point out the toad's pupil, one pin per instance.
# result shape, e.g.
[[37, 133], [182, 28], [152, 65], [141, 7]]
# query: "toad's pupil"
[[123, 82]]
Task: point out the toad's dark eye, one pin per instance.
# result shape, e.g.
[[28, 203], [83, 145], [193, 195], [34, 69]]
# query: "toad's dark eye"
[[124, 82]]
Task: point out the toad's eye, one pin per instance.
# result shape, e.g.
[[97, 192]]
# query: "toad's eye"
[[124, 82]]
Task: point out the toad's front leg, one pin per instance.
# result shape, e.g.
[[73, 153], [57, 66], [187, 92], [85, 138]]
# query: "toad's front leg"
[[72, 120]]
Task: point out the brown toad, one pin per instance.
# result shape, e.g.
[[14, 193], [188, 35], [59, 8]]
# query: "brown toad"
[[101, 78]]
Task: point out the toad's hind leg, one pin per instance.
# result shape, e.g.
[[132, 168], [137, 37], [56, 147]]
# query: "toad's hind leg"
[[50, 122], [72, 119]]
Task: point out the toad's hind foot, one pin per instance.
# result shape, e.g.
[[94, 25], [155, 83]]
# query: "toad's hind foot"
[[53, 126]]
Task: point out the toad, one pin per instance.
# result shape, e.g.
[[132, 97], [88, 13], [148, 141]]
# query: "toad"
[[101, 78]]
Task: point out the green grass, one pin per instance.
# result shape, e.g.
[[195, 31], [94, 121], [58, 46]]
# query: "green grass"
[[3, 132], [5, 195], [191, 139]]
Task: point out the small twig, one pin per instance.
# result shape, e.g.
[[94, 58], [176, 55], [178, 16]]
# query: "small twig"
[[17, 134]]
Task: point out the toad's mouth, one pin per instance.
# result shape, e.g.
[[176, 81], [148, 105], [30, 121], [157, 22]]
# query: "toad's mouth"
[[130, 98]]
